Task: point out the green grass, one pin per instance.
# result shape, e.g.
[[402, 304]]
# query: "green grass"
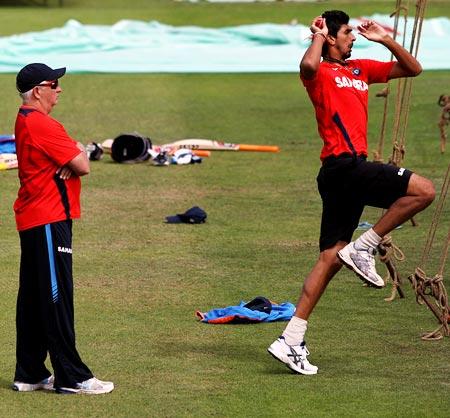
[[139, 281], [185, 13]]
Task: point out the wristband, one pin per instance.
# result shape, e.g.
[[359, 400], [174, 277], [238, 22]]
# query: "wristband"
[[321, 34]]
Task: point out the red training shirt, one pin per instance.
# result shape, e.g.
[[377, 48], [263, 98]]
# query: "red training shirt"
[[340, 97], [43, 146]]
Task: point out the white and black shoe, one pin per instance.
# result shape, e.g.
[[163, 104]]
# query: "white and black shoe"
[[92, 386], [294, 356], [362, 262], [45, 384]]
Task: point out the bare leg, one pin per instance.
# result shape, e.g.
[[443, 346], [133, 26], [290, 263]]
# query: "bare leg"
[[290, 348], [323, 271], [419, 195]]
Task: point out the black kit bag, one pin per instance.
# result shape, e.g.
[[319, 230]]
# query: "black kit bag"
[[130, 148]]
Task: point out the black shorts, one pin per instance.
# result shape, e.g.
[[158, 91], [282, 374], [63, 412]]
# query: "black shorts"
[[347, 184]]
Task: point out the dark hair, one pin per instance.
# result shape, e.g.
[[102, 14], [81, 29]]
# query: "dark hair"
[[334, 20]]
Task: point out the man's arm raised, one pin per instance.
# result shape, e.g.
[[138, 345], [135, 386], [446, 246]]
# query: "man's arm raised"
[[311, 60], [406, 65]]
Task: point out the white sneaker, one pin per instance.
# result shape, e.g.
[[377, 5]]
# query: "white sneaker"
[[362, 262], [294, 356], [91, 386], [46, 384]]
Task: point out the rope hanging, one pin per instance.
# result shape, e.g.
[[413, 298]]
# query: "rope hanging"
[[404, 87], [388, 251], [444, 102], [404, 92], [426, 290], [431, 290], [378, 154], [435, 220]]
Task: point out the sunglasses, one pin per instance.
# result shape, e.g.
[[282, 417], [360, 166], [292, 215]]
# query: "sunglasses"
[[52, 84]]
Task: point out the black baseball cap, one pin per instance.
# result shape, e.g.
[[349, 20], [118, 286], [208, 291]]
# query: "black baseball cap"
[[194, 215], [33, 74], [261, 304]]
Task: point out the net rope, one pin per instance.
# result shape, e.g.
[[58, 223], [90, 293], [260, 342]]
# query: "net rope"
[[431, 290], [401, 117]]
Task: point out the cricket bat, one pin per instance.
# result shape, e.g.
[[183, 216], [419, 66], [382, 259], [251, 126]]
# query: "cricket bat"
[[198, 145], [106, 145], [8, 161], [208, 144]]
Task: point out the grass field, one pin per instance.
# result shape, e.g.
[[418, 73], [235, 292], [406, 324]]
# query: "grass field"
[[139, 281]]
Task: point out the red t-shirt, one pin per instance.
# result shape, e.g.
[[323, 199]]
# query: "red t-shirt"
[[43, 146], [340, 96]]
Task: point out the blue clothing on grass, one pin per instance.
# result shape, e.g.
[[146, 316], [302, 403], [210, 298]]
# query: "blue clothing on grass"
[[241, 315]]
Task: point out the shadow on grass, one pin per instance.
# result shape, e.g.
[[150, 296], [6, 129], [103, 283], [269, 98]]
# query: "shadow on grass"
[[5, 384], [22, 3]]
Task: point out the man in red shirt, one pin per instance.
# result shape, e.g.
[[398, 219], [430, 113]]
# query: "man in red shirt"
[[50, 166], [338, 89]]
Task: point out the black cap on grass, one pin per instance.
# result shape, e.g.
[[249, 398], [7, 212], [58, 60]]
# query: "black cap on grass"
[[194, 215], [260, 303]]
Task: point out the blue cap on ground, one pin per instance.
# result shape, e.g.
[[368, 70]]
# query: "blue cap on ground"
[[194, 215]]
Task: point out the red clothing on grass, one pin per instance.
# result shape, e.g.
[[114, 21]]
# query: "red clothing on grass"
[[43, 146], [340, 97]]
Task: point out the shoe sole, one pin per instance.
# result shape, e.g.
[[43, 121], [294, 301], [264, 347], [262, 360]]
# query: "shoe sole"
[[70, 391], [349, 264], [304, 372], [67, 391], [17, 389]]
